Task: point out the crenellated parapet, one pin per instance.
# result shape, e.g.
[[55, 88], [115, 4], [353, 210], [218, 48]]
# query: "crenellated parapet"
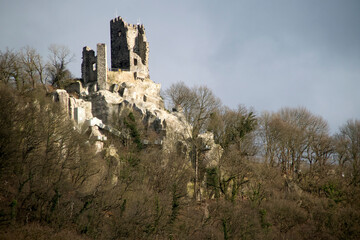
[[129, 47], [106, 93], [129, 57], [121, 21]]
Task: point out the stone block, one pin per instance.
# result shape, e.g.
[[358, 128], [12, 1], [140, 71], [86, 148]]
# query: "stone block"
[[79, 115]]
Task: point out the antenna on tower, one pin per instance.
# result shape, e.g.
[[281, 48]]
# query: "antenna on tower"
[[139, 21], [116, 15]]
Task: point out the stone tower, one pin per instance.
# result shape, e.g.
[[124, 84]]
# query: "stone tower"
[[129, 47], [88, 66], [94, 68], [101, 64]]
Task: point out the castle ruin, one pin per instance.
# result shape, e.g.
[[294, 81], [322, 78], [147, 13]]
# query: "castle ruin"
[[104, 93], [129, 57], [129, 47]]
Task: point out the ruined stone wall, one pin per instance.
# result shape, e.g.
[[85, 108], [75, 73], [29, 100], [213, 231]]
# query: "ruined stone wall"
[[118, 77], [102, 66], [129, 47], [88, 65], [134, 90], [72, 106], [143, 46], [120, 54]]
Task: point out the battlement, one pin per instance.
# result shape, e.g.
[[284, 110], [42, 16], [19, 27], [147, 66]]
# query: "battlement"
[[120, 20], [117, 19], [129, 53], [129, 46]]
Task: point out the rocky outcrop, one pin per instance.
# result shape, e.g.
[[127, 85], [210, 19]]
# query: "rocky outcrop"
[[104, 93], [211, 151], [95, 111], [78, 109], [146, 101], [81, 112]]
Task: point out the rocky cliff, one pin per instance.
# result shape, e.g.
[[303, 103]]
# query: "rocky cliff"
[[104, 94]]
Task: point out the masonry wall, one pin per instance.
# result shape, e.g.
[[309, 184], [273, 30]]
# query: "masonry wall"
[[120, 53], [88, 65], [143, 46], [101, 66], [129, 47]]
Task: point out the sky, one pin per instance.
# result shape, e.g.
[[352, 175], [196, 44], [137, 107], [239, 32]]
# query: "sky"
[[263, 54]]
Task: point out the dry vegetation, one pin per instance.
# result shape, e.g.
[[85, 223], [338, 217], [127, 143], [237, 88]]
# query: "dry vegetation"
[[281, 175]]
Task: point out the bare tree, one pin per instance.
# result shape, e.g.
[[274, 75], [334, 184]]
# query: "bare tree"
[[268, 136], [33, 66], [319, 143], [348, 147], [293, 135], [198, 104], [341, 150], [202, 106], [232, 127], [204, 103], [10, 68], [234, 130], [59, 58], [178, 95]]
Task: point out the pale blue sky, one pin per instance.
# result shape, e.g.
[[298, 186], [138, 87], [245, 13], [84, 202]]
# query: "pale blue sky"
[[260, 53]]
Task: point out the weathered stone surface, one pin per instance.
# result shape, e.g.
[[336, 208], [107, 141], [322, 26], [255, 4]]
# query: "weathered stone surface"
[[101, 65], [88, 66], [212, 151], [104, 104], [79, 115], [69, 104], [75, 87], [106, 93], [129, 47], [62, 97], [80, 103]]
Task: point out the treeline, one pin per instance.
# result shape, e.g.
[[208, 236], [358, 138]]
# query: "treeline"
[[26, 68], [292, 139], [281, 175]]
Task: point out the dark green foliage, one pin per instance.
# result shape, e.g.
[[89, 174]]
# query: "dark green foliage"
[[263, 221], [256, 194], [212, 182], [331, 191], [13, 206], [175, 205], [225, 228], [131, 124], [243, 125], [232, 127]]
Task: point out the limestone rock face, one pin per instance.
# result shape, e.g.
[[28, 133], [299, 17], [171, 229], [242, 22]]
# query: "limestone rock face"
[[96, 109], [80, 111], [71, 105], [212, 151], [144, 98], [105, 93], [104, 104], [62, 97]]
